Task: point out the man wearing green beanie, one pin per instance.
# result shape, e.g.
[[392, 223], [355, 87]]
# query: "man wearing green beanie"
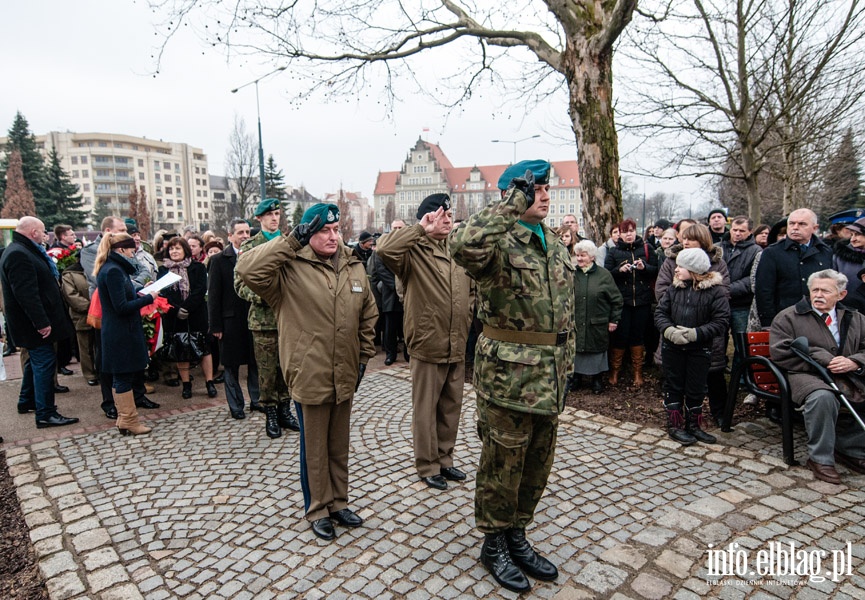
[[326, 315], [274, 394], [526, 304]]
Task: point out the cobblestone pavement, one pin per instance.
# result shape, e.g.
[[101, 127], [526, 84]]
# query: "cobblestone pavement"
[[208, 507]]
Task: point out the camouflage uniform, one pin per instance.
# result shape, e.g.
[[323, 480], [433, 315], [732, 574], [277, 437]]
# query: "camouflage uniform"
[[265, 338], [526, 303]]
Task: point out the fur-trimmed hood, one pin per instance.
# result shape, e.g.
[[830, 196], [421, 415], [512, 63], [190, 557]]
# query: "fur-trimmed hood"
[[701, 282], [715, 256], [844, 251]]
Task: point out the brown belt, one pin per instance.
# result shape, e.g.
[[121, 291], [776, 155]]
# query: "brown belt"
[[537, 338]]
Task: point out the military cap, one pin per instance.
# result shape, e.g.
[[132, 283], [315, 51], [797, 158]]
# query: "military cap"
[[432, 203], [329, 213], [131, 226], [266, 205], [539, 168]]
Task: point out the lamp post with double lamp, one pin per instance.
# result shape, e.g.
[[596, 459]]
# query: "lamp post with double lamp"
[[258, 114], [515, 142]]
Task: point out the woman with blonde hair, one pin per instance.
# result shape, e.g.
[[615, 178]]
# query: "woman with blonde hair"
[[124, 348]]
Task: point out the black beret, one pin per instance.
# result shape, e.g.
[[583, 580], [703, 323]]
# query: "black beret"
[[432, 203]]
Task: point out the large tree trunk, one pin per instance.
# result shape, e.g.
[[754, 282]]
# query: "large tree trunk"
[[749, 173], [591, 110]]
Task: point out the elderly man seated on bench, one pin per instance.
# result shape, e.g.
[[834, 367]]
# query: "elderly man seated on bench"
[[829, 326]]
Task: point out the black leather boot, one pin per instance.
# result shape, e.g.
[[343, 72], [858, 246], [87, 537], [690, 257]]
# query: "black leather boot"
[[286, 419], [525, 557], [186, 394], [676, 425], [694, 425], [497, 559], [597, 384], [211, 389], [271, 423]]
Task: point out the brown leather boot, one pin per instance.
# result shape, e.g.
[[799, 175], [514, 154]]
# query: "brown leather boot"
[[617, 355], [127, 415], [638, 355]]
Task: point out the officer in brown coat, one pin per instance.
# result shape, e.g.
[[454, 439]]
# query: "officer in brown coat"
[[438, 312], [325, 314]]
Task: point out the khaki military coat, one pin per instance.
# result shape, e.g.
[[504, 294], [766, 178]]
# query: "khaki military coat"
[[325, 316], [438, 294]]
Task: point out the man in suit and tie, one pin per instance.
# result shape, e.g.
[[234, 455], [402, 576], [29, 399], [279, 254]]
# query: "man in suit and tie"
[[228, 322]]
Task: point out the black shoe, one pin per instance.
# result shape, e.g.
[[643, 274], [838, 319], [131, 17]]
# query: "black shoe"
[[525, 557], [435, 481], [271, 424], [323, 528], [211, 389], [219, 378], [64, 371], [146, 402], [453, 474], [29, 407], [286, 419], [497, 559], [347, 518], [597, 385], [256, 407], [186, 394], [10, 351], [774, 414], [92, 382], [111, 413], [172, 382], [390, 359], [60, 389], [56, 420], [238, 414]]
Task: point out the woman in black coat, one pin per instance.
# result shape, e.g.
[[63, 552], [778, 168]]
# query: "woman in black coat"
[[188, 307], [634, 267], [124, 348]]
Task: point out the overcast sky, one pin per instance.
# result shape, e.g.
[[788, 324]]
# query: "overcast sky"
[[86, 66]]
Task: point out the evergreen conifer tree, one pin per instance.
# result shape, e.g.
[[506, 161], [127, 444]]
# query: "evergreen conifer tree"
[[274, 180], [843, 178], [32, 163], [63, 196], [298, 214], [19, 198]]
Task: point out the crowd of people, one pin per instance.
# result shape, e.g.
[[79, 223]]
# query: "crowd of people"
[[537, 312]]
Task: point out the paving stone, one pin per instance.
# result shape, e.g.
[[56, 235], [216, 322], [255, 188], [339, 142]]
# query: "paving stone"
[[64, 586], [55, 564], [601, 578], [710, 507], [624, 555], [649, 586]]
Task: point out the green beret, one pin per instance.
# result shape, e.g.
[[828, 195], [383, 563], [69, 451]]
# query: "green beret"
[[539, 168], [329, 213], [266, 205]]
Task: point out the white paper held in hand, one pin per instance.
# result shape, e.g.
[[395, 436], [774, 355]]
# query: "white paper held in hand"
[[161, 283]]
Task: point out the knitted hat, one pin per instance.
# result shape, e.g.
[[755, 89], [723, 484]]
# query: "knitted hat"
[[131, 226], [717, 210], [432, 203], [693, 259], [663, 224], [364, 236]]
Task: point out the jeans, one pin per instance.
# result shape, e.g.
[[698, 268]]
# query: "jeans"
[[37, 383]]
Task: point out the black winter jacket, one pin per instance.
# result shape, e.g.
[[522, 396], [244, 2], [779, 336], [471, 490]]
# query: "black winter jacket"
[[740, 259], [699, 304], [636, 285]]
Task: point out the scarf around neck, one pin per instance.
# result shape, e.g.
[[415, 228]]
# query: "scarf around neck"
[[180, 268]]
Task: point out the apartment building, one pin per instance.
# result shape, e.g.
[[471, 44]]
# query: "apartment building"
[[358, 207], [427, 170], [107, 167]]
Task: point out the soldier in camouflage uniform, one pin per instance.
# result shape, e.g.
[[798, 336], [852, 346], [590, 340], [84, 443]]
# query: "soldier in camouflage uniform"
[[274, 394], [526, 302]]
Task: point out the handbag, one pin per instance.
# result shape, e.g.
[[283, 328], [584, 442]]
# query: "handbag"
[[184, 346], [94, 312]]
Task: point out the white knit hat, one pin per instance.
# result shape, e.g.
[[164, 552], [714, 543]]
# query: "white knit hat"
[[694, 259]]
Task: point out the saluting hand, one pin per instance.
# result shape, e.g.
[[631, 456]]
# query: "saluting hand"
[[526, 184], [429, 220], [304, 231]]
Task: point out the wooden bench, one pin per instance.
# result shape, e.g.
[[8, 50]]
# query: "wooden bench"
[[765, 380]]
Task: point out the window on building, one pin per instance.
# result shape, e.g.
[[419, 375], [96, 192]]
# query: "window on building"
[[141, 162], [204, 170], [205, 205], [157, 165], [85, 172], [169, 214], [177, 167], [179, 192], [166, 165], [198, 193], [561, 209], [159, 201], [167, 177], [169, 190], [103, 144], [74, 160], [83, 160], [571, 208], [204, 193], [118, 145], [75, 174], [85, 187], [140, 176], [197, 170], [573, 194], [135, 147], [169, 202], [157, 177]]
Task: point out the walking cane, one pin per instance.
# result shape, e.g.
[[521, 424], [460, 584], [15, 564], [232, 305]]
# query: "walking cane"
[[800, 348]]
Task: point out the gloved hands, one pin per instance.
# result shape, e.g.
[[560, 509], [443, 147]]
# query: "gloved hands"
[[676, 335], [361, 369], [182, 314], [304, 231], [690, 334], [526, 184]]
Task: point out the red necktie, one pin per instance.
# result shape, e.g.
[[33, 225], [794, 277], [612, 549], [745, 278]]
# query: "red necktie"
[[828, 318]]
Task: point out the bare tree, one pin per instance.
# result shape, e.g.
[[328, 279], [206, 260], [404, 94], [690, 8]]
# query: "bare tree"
[[241, 166], [726, 85], [340, 47]]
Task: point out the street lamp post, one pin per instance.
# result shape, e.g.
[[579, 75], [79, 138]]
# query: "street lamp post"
[[261, 183], [515, 142]]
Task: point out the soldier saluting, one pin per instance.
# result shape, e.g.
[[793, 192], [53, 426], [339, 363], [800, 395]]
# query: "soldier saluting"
[[526, 304]]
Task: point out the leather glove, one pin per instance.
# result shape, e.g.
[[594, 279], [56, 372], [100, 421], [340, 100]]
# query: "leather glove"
[[361, 369], [304, 231], [182, 314], [526, 184], [690, 334]]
